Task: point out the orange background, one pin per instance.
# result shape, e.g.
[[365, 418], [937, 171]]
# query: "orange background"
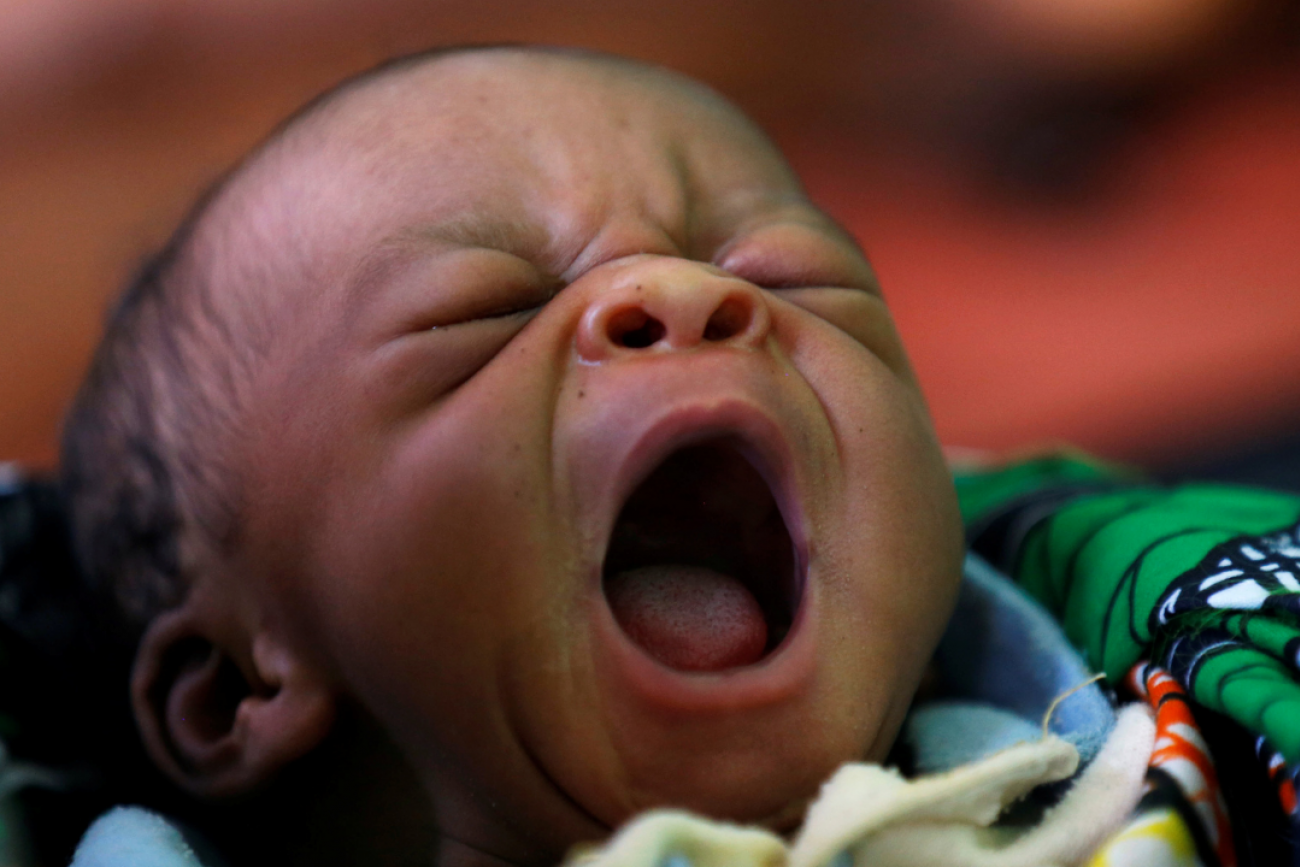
[[1154, 318]]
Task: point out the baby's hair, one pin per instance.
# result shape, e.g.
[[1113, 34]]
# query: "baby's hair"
[[133, 464]]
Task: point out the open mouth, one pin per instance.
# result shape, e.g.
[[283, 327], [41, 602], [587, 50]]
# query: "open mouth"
[[701, 572]]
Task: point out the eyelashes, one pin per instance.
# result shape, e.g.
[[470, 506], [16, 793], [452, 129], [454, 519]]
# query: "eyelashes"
[[786, 275], [464, 313], [526, 309], [452, 350], [425, 365], [805, 252], [814, 286], [452, 335], [467, 346]]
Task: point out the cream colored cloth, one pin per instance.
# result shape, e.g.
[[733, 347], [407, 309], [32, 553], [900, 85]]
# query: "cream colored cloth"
[[870, 816]]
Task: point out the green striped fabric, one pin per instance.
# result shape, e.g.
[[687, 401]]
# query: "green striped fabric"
[[1205, 579]]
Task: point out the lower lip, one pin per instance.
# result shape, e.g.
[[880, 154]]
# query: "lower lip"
[[779, 677]]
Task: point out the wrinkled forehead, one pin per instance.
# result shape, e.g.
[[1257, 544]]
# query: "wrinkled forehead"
[[544, 152]]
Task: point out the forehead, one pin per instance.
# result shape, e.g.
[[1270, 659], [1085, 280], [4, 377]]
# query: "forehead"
[[551, 150]]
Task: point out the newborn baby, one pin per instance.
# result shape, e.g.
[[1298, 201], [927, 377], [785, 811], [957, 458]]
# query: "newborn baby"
[[521, 400]]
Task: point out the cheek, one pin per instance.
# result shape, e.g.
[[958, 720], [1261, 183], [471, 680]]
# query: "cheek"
[[860, 316], [440, 551], [891, 551]]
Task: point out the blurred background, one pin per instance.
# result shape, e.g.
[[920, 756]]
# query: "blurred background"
[[1085, 213]]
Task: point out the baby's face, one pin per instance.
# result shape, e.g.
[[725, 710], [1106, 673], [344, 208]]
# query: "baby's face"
[[586, 456]]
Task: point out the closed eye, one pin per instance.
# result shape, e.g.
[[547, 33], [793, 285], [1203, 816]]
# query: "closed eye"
[[420, 367], [807, 251], [471, 307], [816, 286]]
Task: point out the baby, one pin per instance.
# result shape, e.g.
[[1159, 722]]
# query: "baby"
[[520, 403]]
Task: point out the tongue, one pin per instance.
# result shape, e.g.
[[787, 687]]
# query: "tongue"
[[688, 617]]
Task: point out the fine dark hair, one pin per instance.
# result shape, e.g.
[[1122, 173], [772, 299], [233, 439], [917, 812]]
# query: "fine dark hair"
[[138, 447]]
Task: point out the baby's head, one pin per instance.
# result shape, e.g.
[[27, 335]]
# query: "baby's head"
[[521, 399]]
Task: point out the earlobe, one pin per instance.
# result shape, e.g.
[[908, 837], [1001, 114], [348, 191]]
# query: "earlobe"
[[223, 714]]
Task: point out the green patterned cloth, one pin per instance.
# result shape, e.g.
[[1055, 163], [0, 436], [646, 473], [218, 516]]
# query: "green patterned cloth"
[[1203, 579]]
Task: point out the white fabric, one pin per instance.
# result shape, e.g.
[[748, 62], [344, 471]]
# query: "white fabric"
[[870, 816], [674, 838]]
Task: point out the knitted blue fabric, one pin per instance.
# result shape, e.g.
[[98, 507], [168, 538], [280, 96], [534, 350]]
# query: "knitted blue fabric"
[[1003, 660], [134, 837]]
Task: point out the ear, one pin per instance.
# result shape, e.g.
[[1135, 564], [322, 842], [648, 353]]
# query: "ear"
[[221, 712]]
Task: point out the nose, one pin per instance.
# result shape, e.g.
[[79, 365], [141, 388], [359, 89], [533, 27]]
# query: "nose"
[[671, 305]]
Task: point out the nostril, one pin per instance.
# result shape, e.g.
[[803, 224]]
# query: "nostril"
[[634, 329], [730, 319]]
